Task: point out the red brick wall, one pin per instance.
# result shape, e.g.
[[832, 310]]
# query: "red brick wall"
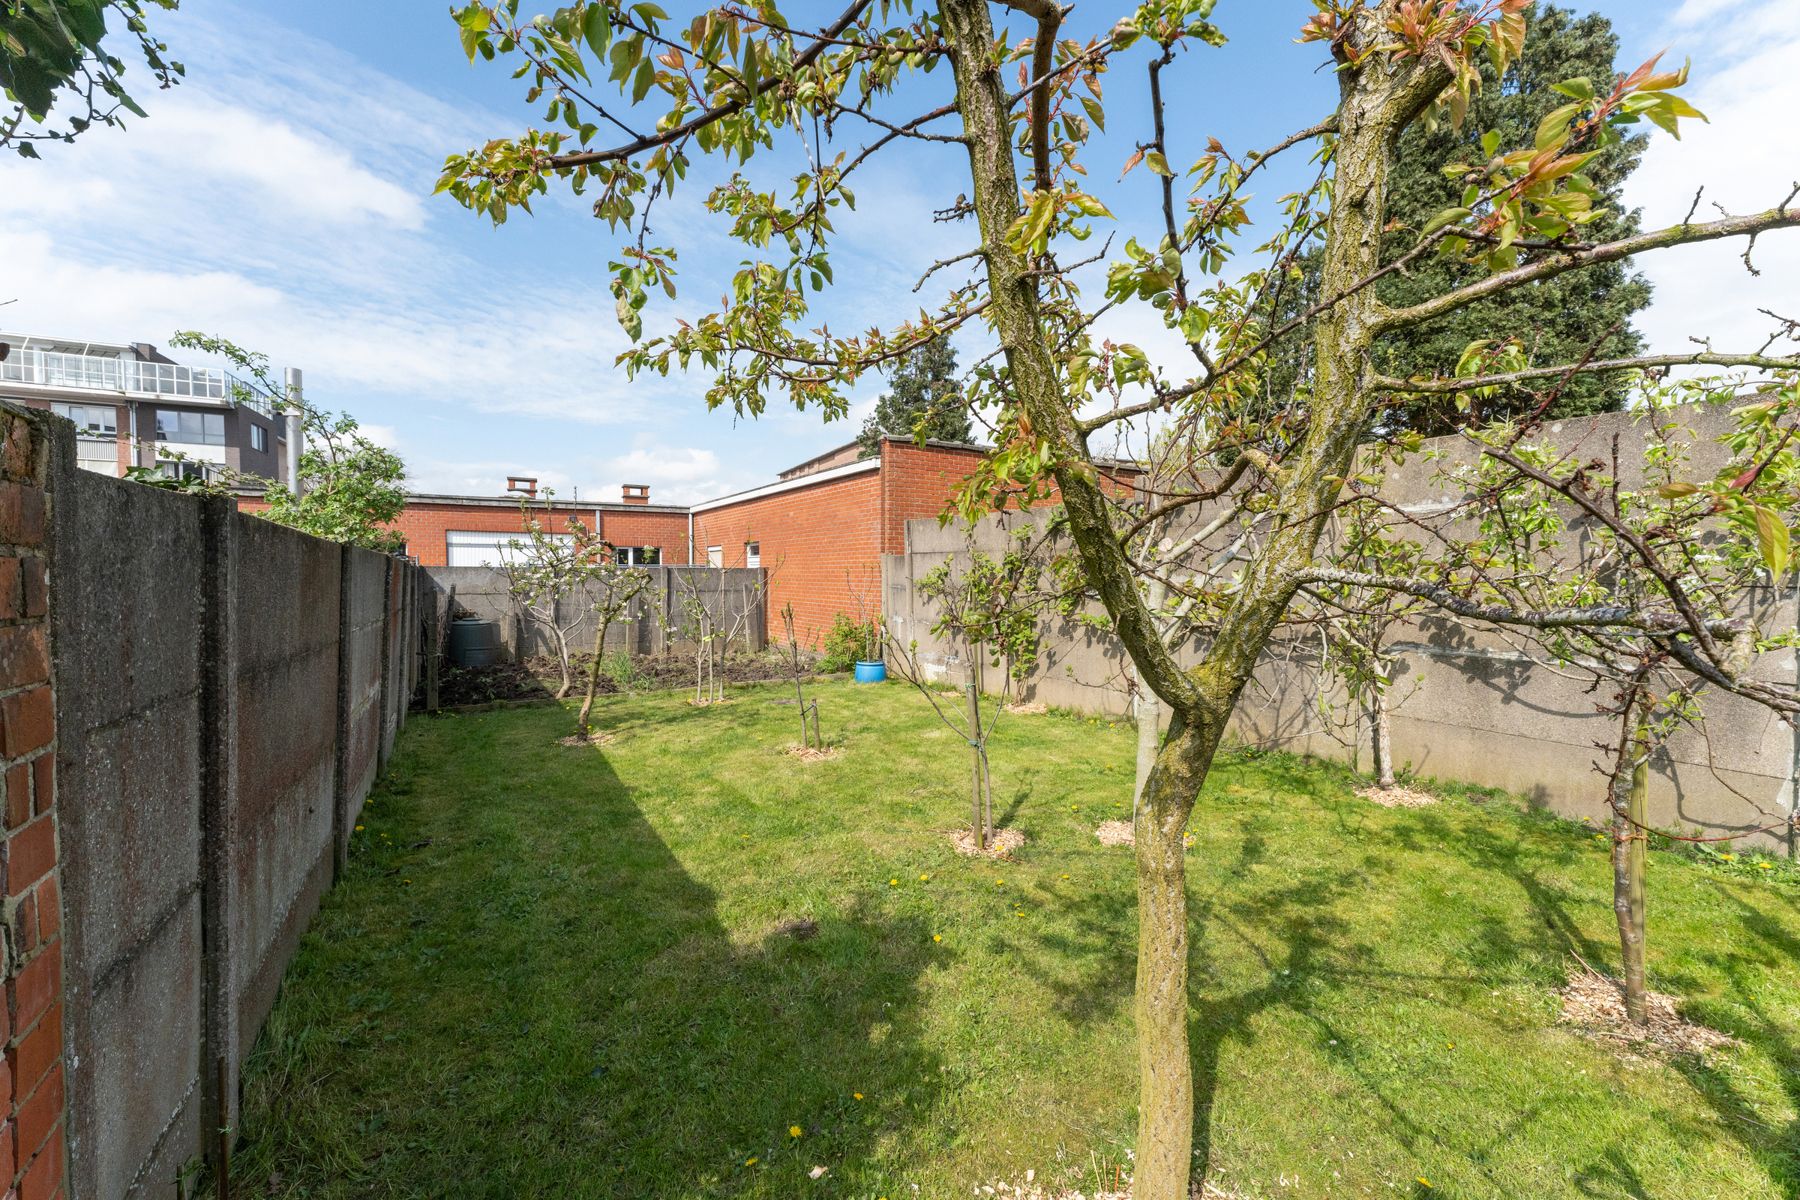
[[810, 536], [425, 525], [823, 543], [664, 530], [31, 1081]]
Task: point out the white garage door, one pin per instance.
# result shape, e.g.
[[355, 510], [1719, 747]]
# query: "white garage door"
[[478, 548]]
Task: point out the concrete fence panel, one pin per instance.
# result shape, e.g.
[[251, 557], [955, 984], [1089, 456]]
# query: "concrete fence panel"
[[1467, 705], [660, 620], [182, 753], [127, 623]]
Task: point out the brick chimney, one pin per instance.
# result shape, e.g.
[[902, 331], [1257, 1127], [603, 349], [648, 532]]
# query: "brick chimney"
[[523, 485], [636, 493]]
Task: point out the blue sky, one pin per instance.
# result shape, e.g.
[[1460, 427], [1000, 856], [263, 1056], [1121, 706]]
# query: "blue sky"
[[281, 197]]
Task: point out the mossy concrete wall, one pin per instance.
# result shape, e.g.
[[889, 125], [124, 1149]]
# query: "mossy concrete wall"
[[1467, 705], [226, 693]]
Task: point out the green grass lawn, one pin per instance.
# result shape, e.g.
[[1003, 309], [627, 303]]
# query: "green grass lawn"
[[557, 972]]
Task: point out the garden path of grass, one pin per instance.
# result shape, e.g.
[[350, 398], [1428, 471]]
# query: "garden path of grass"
[[556, 972]]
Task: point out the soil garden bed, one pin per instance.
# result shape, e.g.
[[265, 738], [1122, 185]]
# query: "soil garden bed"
[[537, 678]]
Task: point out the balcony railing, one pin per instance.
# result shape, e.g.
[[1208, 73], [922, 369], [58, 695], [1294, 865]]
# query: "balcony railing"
[[97, 373]]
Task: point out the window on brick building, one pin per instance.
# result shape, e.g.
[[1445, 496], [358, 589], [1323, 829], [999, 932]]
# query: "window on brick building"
[[715, 556], [637, 556], [200, 429], [259, 438], [91, 420], [753, 554], [184, 470]]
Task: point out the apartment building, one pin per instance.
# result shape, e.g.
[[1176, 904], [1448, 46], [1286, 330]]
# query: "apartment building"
[[134, 406]]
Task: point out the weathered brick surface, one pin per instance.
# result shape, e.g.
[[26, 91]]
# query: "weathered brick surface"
[[822, 543], [32, 1101]]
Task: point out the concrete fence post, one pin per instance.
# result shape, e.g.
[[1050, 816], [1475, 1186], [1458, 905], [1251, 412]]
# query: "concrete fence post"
[[434, 640], [385, 724], [218, 805], [341, 784]]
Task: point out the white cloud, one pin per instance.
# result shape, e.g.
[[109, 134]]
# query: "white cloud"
[[1746, 82]]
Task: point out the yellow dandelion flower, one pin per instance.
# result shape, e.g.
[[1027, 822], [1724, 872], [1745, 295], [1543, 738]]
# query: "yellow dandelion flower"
[[1065, 876], [856, 1095], [1424, 1182], [924, 879], [893, 883], [937, 937], [1765, 866], [359, 829], [751, 1161], [795, 1131], [1729, 857]]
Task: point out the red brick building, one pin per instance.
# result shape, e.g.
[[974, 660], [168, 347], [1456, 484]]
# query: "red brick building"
[[458, 531], [820, 530]]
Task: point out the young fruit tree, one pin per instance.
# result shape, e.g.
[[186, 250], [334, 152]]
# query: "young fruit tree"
[[810, 736], [989, 615], [613, 588], [1692, 534], [545, 570], [1001, 120]]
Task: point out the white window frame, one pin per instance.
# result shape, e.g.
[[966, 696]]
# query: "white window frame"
[[91, 420], [715, 556], [171, 431], [189, 468], [259, 438], [635, 556], [753, 554]]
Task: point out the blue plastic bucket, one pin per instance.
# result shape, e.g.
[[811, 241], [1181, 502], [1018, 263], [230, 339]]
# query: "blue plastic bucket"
[[871, 672]]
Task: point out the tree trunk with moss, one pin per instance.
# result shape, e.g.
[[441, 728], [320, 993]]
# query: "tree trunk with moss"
[[1378, 98], [593, 679], [1381, 735], [1630, 803]]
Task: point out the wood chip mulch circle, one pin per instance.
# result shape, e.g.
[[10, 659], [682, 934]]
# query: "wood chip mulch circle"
[[1115, 833], [1001, 845], [1030, 1190], [1034, 709], [1595, 1004], [810, 754], [1397, 797]]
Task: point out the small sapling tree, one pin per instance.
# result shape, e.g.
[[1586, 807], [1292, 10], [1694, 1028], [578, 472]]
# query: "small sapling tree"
[[544, 571], [989, 616], [810, 736], [615, 587]]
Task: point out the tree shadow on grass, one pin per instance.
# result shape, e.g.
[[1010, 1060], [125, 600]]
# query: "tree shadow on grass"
[[567, 1015], [1746, 1016]]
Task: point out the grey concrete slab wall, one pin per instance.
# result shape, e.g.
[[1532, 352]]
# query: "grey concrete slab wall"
[[1467, 706], [282, 809], [128, 566], [205, 765], [363, 656], [659, 621]]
